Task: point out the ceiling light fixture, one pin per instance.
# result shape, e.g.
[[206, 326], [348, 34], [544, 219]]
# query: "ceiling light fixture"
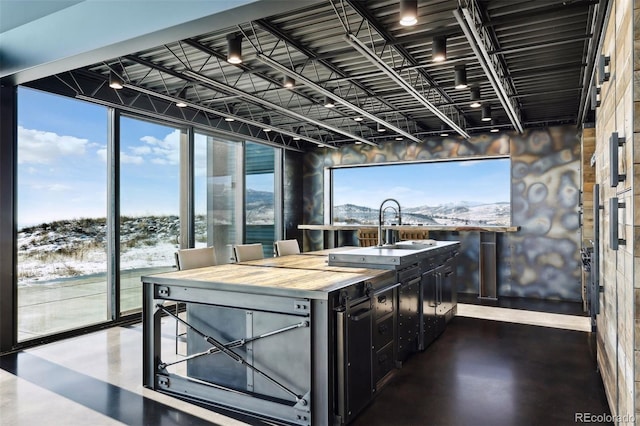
[[181, 96], [288, 82], [399, 138], [358, 118], [202, 108], [474, 97], [115, 81], [267, 122], [443, 131], [412, 91], [461, 76], [408, 12], [229, 119], [494, 130], [234, 48], [356, 109], [439, 49], [275, 107], [328, 102], [381, 128], [486, 113], [471, 28]]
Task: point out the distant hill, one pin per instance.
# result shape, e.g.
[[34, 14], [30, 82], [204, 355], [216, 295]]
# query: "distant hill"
[[462, 213]]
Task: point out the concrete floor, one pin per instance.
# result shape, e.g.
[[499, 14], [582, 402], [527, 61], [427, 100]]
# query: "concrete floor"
[[479, 372]]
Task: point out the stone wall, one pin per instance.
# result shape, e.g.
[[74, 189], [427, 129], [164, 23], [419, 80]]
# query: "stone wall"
[[541, 260]]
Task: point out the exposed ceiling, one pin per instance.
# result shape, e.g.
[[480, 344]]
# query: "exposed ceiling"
[[532, 61]]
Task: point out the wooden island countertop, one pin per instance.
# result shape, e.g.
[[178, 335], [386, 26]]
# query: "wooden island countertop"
[[292, 276]]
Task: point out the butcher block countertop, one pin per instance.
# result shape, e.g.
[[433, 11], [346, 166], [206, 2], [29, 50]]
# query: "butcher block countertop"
[[300, 276], [304, 261]]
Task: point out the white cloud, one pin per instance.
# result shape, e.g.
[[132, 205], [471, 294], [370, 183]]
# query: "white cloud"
[[102, 153], [56, 187], [164, 151], [130, 159], [141, 150], [40, 147], [124, 157]]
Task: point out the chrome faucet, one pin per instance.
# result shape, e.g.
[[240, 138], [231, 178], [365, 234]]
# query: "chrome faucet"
[[381, 217]]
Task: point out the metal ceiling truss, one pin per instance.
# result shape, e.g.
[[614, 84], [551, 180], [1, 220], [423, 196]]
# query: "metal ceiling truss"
[[283, 107], [481, 42], [412, 79], [229, 88], [161, 106], [345, 90]]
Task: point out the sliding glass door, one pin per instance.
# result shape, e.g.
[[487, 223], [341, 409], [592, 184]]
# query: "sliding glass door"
[[149, 204], [61, 217], [65, 243], [260, 215], [216, 196]]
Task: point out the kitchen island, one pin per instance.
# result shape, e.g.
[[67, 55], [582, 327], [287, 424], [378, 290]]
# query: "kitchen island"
[[293, 339]]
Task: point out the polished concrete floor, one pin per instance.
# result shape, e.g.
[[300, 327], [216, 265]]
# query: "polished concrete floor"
[[479, 372]]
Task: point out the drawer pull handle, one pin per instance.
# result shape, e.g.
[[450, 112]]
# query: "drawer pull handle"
[[382, 299]]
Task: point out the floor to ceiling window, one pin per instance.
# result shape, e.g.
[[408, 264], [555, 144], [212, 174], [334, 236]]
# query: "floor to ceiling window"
[[149, 204], [216, 194], [260, 196], [61, 214], [63, 207]]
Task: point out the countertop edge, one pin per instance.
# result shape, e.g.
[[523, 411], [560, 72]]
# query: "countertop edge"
[[497, 229]]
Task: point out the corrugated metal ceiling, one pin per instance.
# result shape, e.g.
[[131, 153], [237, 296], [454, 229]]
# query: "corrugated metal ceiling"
[[541, 47]]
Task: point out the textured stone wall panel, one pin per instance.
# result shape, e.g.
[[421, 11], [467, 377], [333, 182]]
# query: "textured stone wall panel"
[[542, 259]]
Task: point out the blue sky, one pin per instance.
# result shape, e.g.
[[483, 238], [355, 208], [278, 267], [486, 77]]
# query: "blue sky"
[[432, 184], [62, 167], [62, 170]]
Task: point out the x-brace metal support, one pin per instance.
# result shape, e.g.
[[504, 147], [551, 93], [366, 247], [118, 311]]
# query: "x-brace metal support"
[[225, 348]]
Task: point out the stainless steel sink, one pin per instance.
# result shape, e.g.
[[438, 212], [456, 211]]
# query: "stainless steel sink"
[[406, 245], [395, 247]]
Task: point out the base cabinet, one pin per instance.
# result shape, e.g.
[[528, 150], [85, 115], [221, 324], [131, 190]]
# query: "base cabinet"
[[438, 298], [409, 316], [355, 369]]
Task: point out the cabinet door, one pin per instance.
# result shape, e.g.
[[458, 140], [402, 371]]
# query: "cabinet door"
[[448, 287], [429, 324], [355, 372], [408, 318]]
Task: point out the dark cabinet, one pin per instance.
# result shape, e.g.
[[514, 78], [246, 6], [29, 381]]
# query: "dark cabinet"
[[408, 316], [355, 369], [384, 333], [438, 299]]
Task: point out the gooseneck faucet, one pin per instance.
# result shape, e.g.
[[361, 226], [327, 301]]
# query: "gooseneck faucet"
[[381, 218]]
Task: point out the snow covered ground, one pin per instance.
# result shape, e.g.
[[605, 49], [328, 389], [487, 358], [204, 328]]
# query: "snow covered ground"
[[77, 247]]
